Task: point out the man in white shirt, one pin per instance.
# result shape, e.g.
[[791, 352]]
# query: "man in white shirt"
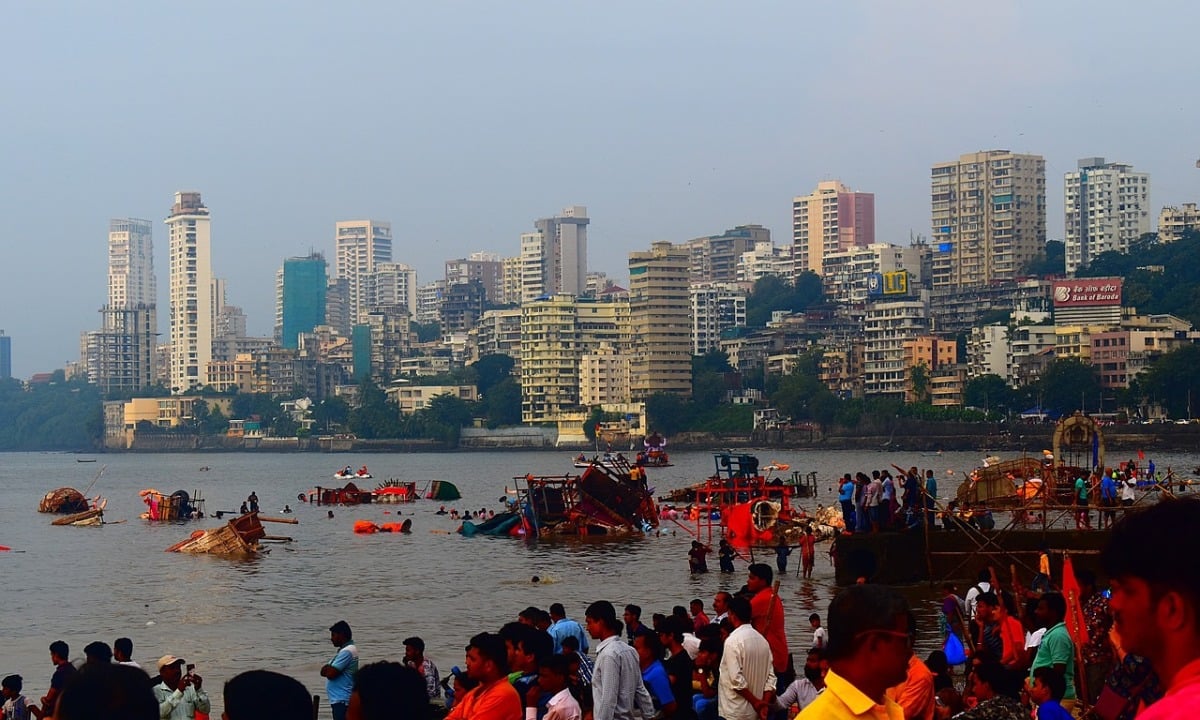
[[123, 652], [984, 585], [617, 687], [746, 687], [552, 680], [720, 607]]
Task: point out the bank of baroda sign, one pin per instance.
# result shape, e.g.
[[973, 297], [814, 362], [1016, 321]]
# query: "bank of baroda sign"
[[1091, 292]]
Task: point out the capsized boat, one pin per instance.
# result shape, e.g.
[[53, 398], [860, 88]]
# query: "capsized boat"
[[395, 491], [64, 500], [443, 490], [87, 518], [239, 537], [179, 505], [601, 501]]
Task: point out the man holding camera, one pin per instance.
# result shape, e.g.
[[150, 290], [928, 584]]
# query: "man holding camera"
[[179, 694]]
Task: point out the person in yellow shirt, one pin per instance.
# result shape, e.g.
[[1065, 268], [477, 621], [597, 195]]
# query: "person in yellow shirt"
[[869, 648]]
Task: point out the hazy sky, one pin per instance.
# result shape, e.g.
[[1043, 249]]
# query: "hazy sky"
[[462, 122]]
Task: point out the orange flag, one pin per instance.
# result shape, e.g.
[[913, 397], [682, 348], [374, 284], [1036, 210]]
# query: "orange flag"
[[1076, 622]]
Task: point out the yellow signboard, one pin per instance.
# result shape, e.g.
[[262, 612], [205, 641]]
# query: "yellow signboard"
[[895, 283]]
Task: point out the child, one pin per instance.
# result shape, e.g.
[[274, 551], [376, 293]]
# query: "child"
[[704, 678], [820, 635], [1046, 692], [552, 680], [15, 707]]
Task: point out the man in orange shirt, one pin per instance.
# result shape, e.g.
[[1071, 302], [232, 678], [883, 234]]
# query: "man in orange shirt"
[[494, 698], [766, 610]]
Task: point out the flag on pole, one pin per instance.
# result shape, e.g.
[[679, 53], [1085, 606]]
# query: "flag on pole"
[[1075, 620]]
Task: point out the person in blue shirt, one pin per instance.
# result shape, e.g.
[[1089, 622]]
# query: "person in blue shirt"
[[562, 626], [340, 671], [654, 675], [1046, 691], [1108, 499], [846, 498]]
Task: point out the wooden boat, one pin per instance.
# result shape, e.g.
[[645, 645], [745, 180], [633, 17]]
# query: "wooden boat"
[[179, 505], [350, 494], [395, 491], [237, 538], [95, 516], [999, 483], [63, 500]]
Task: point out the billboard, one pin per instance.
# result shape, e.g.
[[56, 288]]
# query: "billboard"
[[874, 285], [895, 283], [1090, 292]]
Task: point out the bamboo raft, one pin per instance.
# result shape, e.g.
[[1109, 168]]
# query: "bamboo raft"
[[237, 538]]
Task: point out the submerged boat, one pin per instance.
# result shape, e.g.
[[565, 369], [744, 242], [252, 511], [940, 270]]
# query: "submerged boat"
[[395, 491], [177, 506], [237, 538], [349, 494], [95, 516], [601, 501], [64, 500], [442, 490]]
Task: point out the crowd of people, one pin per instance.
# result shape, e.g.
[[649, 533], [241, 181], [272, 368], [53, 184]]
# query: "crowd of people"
[[1139, 656]]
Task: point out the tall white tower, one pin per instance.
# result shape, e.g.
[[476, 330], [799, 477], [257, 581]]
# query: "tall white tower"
[[359, 246], [191, 308]]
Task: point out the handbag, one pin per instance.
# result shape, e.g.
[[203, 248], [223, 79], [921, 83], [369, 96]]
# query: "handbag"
[[955, 653], [1111, 705]]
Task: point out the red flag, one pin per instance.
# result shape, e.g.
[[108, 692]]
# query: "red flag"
[[1075, 620], [1141, 455]]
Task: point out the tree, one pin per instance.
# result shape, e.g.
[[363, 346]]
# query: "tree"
[[285, 426], [1173, 381], [666, 412], [1068, 385], [426, 332], [331, 413], [773, 293], [988, 391], [1051, 261], [491, 370], [375, 417], [502, 404], [918, 376]]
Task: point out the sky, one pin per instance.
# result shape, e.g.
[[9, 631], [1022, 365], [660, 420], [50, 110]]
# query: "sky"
[[463, 122]]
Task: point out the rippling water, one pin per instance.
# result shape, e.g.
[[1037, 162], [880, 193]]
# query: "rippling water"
[[100, 583]]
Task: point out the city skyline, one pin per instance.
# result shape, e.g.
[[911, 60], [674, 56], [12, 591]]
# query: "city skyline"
[[707, 141]]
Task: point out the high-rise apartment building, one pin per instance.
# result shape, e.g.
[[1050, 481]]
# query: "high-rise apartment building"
[[393, 284], [131, 279], [359, 246], [5, 356], [716, 307], [485, 268], [830, 219], [1174, 221], [659, 317], [120, 356], [989, 217], [189, 239], [554, 256], [302, 286], [765, 259], [557, 334], [1107, 207], [715, 258], [853, 275]]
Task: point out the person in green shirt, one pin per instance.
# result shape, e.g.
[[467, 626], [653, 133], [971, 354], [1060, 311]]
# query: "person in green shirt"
[[1056, 650], [1083, 516]]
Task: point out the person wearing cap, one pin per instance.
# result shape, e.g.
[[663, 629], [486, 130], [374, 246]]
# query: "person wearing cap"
[[339, 672], [179, 696]]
